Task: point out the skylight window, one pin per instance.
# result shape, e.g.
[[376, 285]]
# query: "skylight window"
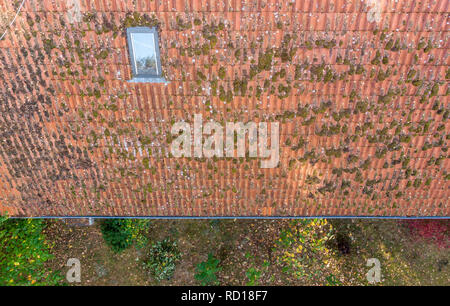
[[144, 54]]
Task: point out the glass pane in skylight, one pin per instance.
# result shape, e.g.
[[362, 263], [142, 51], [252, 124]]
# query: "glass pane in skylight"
[[144, 53]]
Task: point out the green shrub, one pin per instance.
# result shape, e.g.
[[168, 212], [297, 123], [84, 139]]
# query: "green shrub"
[[206, 271], [255, 271], [120, 234], [163, 256], [253, 276], [23, 252]]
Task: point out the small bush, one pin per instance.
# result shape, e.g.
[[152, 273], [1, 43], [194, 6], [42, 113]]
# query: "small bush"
[[163, 256], [255, 271], [23, 252], [302, 249], [206, 271], [253, 275], [120, 234]]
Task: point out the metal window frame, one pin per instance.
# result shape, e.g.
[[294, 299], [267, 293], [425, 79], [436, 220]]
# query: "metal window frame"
[[140, 77]]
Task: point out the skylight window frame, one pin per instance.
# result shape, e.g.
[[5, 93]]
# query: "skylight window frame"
[[144, 77]]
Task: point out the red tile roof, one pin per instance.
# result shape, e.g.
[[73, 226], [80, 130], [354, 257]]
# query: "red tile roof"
[[362, 106]]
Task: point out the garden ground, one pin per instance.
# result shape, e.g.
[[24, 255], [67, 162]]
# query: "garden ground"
[[249, 253]]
